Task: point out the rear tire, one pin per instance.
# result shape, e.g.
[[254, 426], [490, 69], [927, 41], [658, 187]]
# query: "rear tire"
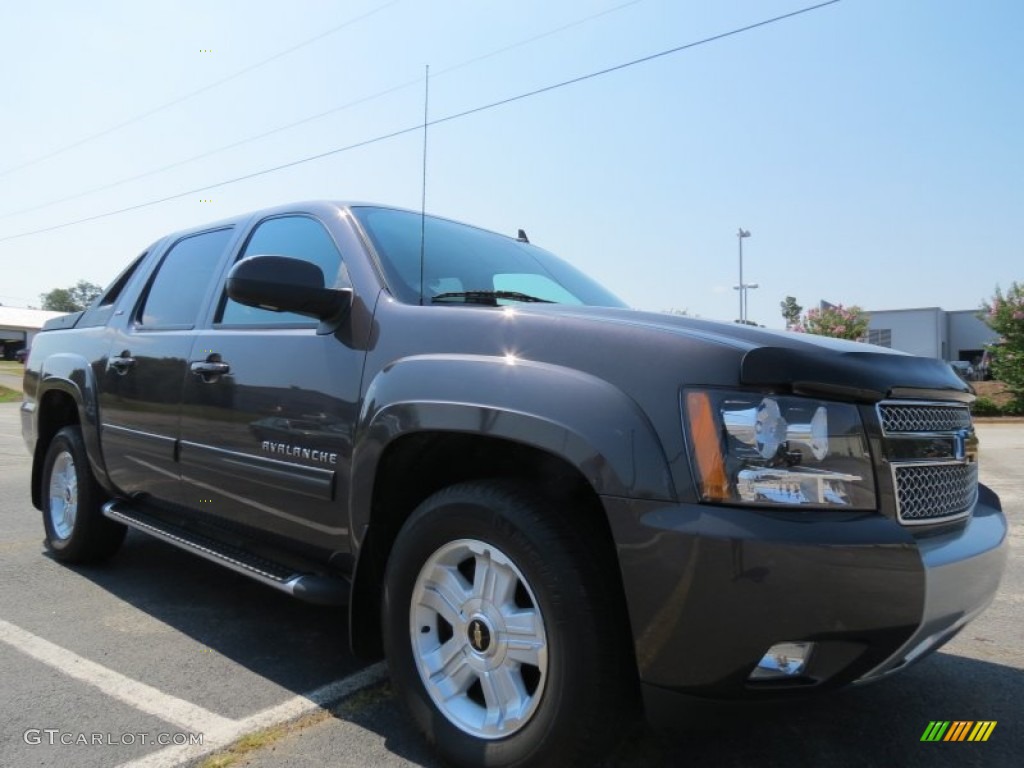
[[76, 530], [502, 634]]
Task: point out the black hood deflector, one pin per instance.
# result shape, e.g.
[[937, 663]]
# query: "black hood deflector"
[[863, 376]]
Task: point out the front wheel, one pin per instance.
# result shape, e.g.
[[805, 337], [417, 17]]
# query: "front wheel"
[[76, 530], [502, 637]]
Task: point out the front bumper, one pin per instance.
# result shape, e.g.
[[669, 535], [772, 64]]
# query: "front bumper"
[[711, 589], [962, 571]]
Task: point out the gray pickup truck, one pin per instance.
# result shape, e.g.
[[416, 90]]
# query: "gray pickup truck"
[[547, 510]]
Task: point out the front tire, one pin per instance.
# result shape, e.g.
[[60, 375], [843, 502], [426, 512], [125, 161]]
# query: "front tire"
[[501, 633], [76, 530]]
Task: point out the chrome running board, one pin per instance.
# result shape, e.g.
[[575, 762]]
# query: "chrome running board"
[[310, 587]]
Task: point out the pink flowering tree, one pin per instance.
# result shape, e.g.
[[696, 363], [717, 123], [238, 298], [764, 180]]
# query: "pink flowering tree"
[[838, 322], [1005, 315]]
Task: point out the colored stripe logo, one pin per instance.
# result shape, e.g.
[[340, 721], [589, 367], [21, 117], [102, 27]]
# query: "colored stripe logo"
[[959, 730]]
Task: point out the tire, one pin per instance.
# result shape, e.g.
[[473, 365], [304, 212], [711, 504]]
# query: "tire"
[[503, 632], [76, 530]]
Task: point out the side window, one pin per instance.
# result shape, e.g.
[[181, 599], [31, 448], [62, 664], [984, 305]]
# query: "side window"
[[299, 237], [175, 293], [113, 292], [101, 310]]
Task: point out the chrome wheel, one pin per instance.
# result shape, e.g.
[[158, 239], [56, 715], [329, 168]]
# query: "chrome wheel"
[[478, 639], [63, 506]]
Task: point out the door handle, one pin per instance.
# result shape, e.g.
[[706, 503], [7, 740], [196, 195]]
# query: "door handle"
[[209, 368], [122, 363]]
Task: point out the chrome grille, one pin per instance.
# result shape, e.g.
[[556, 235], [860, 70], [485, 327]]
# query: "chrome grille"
[[929, 492], [920, 417], [932, 490]]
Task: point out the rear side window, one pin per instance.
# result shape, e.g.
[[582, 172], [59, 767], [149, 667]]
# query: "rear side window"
[[175, 294], [101, 310], [113, 292], [299, 237]]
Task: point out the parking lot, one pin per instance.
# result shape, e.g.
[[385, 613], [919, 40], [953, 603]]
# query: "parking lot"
[[158, 646]]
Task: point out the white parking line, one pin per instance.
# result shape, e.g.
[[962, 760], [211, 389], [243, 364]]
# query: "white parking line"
[[138, 695], [172, 756], [218, 732]]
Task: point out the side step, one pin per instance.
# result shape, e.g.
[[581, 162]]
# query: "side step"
[[310, 587]]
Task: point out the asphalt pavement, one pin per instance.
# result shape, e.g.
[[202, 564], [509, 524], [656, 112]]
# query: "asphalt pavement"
[[160, 646]]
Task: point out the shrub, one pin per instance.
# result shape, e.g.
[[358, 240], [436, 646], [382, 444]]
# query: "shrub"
[[1005, 315], [839, 322], [984, 406]]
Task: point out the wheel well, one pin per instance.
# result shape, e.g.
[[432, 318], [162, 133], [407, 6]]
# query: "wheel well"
[[416, 466], [56, 410]]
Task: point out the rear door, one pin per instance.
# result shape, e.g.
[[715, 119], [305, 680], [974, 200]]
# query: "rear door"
[[141, 382], [269, 406]]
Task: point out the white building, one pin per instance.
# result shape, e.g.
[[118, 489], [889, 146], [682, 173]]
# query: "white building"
[[932, 332], [18, 326]]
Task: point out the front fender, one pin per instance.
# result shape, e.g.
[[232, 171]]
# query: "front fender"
[[72, 375], [583, 419]]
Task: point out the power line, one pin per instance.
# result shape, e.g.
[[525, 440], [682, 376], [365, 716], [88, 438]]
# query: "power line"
[[204, 89], [317, 116], [632, 63], [535, 38], [422, 125], [209, 153]]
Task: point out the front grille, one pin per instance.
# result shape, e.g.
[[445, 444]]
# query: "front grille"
[[944, 486], [903, 419], [929, 492]]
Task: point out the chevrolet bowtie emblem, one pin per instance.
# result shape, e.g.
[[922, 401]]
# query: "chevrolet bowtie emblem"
[[960, 444], [479, 636]]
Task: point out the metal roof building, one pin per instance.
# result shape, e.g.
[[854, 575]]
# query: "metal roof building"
[[18, 326], [932, 332]]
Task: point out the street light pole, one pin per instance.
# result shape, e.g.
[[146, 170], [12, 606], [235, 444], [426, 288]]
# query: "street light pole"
[[742, 233], [746, 297]]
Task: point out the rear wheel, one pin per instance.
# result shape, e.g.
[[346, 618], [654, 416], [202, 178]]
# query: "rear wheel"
[[76, 530], [501, 635]]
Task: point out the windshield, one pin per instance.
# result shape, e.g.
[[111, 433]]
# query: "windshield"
[[464, 264]]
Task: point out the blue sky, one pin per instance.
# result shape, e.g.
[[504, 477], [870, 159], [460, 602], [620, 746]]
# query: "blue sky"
[[874, 149]]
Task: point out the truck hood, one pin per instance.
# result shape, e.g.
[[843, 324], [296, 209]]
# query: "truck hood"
[[799, 362]]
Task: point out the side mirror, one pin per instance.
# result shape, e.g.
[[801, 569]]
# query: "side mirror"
[[285, 284]]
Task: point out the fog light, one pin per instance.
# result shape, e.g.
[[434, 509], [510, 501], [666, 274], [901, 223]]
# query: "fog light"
[[783, 660]]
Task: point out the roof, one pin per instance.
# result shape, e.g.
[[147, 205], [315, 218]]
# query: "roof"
[[906, 309], [920, 309], [25, 319]]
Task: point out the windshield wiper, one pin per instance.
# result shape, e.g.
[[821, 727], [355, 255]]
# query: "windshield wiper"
[[489, 298]]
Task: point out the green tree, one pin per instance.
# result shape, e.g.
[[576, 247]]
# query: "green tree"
[[59, 300], [72, 299], [1005, 315], [791, 311], [839, 322]]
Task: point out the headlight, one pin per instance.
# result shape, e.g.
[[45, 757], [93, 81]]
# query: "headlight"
[[766, 449]]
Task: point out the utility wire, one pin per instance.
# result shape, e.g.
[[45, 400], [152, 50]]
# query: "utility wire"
[[535, 38], [438, 121], [311, 118], [191, 94], [209, 153]]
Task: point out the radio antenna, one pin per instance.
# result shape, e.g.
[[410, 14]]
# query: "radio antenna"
[[423, 198]]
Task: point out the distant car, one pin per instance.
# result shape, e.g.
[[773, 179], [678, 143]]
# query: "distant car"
[[21, 355], [963, 369]]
